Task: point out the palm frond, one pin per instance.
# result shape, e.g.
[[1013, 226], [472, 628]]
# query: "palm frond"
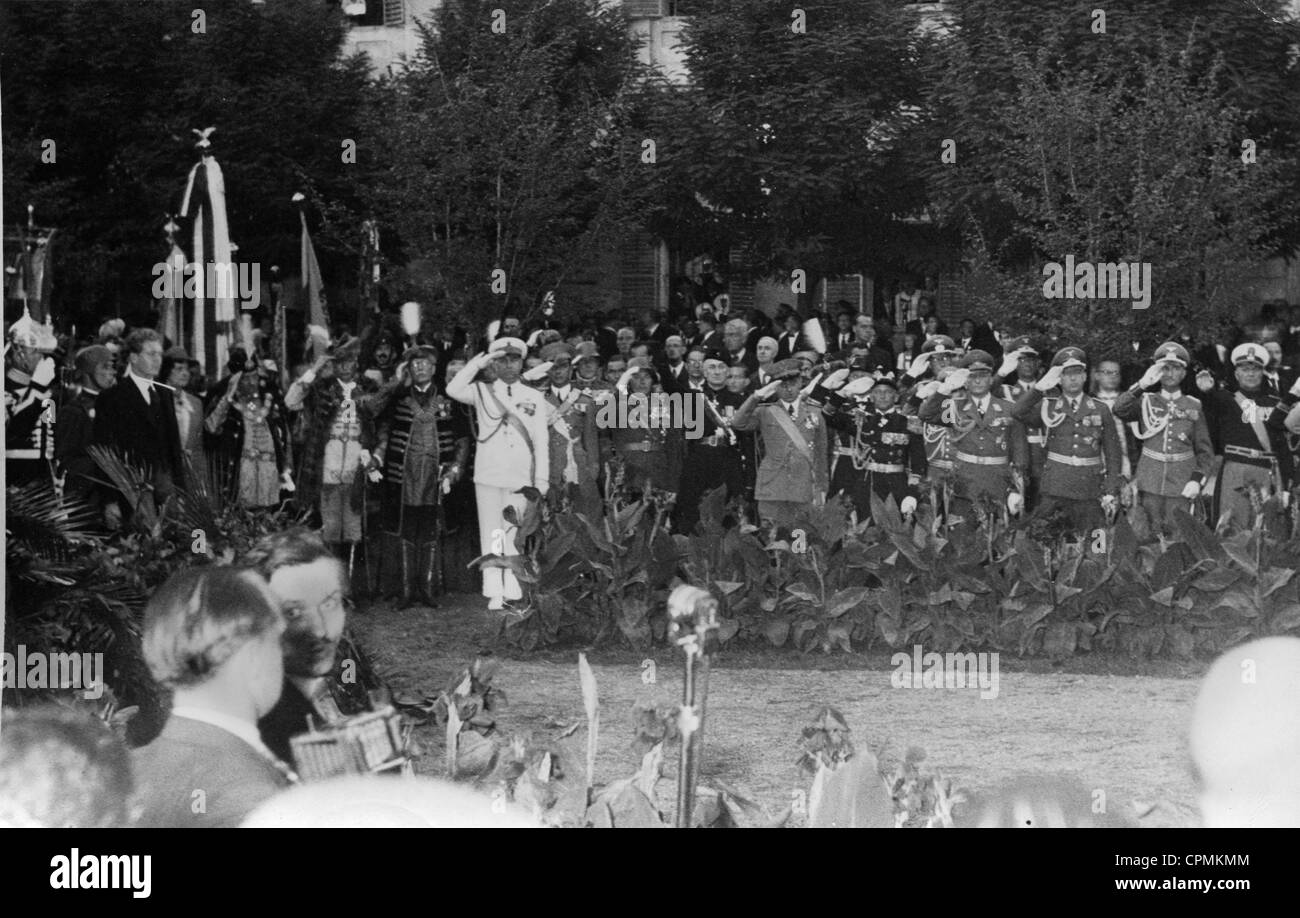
[[38, 518]]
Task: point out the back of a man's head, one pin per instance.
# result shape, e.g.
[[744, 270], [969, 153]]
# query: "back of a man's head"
[[61, 768], [200, 618], [1245, 736]]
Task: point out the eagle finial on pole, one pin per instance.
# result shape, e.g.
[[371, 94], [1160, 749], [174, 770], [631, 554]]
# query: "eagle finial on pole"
[[203, 143]]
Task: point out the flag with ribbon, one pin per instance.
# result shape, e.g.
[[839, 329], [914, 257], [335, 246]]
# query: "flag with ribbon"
[[215, 287], [313, 288]]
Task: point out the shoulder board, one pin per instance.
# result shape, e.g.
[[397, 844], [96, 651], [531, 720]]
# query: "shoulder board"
[[1193, 399]]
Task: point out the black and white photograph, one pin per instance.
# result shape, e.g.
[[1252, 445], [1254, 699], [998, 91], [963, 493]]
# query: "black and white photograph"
[[652, 413]]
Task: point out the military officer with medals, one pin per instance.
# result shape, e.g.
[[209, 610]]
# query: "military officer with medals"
[[513, 453], [1255, 456], [30, 381], [792, 474], [422, 450], [1021, 368], [645, 438], [939, 357], [717, 457], [990, 453], [882, 455], [574, 440], [1177, 454], [1083, 457]]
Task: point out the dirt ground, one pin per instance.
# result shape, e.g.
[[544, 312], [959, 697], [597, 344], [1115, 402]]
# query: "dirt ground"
[[1115, 724]]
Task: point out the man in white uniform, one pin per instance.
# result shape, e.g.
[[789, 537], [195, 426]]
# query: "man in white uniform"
[[513, 453]]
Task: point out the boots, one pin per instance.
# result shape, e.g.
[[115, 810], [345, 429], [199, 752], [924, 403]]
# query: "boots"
[[429, 580], [409, 557]]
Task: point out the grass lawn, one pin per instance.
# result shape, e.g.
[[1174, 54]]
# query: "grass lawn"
[[1116, 724]]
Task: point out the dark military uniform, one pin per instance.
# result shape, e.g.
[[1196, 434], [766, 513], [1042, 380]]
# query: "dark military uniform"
[[1083, 456], [1255, 454], [651, 449], [875, 452], [714, 460], [29, 429], [1012, 388]]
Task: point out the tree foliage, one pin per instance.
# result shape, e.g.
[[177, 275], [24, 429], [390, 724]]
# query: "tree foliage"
[[1123, 145], [792, 147], [507, 150], [119, 86]]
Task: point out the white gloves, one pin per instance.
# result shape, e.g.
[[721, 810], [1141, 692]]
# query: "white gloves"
[[836, 379], [1191, 490], [920, 365], [956, 380], [908, 506], [1109, 504], [1204, 381], [860, 386], [286, 482], [1010, 363], [1295, 388], [43, 375], [808, 389], [538, 372], [1049, 380], [623, 380], [1015, 503], [927, 388]]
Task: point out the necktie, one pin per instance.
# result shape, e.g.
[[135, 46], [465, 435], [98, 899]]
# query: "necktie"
[[790, 408]]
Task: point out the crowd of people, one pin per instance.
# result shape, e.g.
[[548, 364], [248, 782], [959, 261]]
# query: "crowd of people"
[[400, 446], [251, 653], [411, 441]]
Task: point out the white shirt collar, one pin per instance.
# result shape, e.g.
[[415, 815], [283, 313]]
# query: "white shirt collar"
[[562, 391], [144, 385], [983, 403], [232, 725]]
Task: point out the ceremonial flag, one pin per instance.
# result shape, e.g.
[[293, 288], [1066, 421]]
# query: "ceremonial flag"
[[171, 322], [214, 304], [40, 280], [312, 285]]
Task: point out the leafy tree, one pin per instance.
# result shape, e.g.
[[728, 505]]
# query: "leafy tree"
[[1118, 145], [1149, 172], [793, 148], [506, 150], [119, 86]]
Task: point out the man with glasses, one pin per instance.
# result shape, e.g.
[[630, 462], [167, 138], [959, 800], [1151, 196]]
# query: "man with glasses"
[[312, 588], [1106, 389]]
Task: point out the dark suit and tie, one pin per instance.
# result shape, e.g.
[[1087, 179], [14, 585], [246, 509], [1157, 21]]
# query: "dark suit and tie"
[[674, 379], [144, 433], [788, 344]]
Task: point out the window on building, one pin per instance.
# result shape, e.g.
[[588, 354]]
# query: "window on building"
[[394, 12], [672, 7]]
